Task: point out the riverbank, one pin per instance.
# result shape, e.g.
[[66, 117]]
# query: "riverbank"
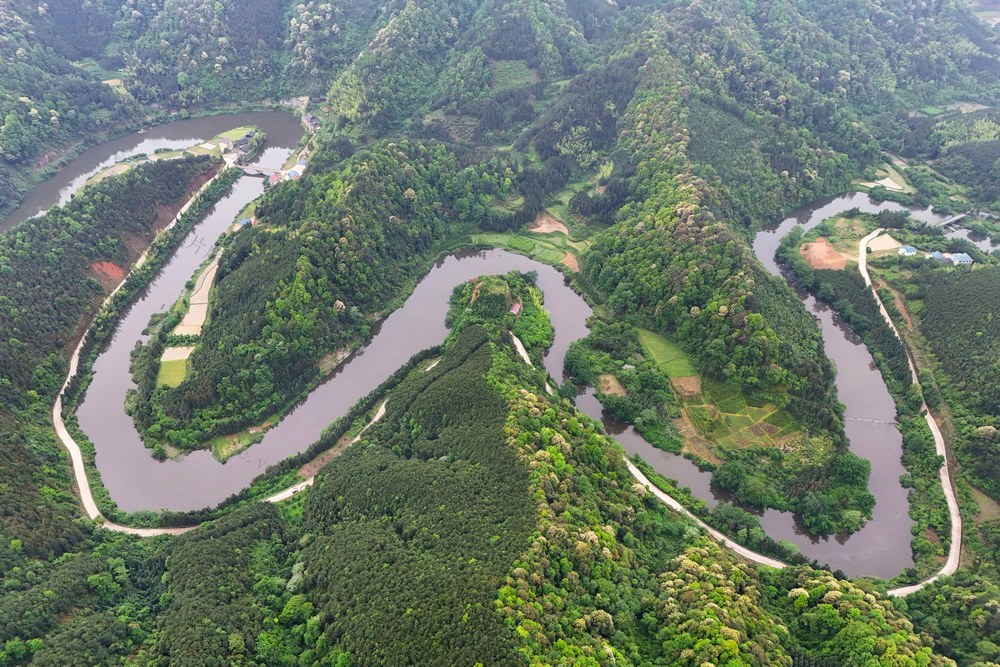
[[132, 282], [80, 162], [955, 547]]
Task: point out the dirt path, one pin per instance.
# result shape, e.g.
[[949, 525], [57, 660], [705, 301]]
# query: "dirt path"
[[323, 459], [955, 548]]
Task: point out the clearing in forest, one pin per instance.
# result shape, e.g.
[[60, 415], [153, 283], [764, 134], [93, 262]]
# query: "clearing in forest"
[[571, 262], [671, 359], [546, 224], [716, 414], [884, 245], [821, 255], [172, 372], [548, 248], [108, 274], [609, 385]]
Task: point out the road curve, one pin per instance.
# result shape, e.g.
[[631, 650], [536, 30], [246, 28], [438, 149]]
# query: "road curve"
[[670, 502], [292, 490], [76, 454], [954, 552]]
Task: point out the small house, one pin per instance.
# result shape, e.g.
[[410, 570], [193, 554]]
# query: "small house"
[[312, 120], [937, 255], [907, 251], [961, 258], [294, 175], [245, 222], [516, 309], [274, 179]]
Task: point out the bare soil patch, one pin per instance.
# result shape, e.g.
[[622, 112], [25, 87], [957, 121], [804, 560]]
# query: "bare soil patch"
[[687, 387], [884, 245], [901, 307], [764, 429], [609, 385], [821, 255], [694, 443], [546, 224], [108, 274], [177, 353], [571, 262]]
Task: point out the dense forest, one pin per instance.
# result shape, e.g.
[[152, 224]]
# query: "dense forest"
[[482, 520], [956, 310], [476, 521]]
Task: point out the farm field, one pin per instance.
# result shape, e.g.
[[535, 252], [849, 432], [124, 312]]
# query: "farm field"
[[172, 373]]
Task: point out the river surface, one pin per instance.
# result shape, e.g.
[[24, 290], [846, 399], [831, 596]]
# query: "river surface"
[[136, 481], [283, 133]]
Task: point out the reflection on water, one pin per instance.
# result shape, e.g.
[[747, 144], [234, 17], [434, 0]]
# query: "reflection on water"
[[136, 481], [283, 132]]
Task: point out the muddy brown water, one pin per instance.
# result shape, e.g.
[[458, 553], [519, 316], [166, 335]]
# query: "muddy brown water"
[[138, 482], [282, 128]]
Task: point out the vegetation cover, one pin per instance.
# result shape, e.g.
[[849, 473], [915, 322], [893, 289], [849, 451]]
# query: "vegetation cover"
[[441, 117]]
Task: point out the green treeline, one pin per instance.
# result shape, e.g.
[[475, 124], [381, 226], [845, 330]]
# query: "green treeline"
[[47, 284], [333, 250], [415, 527], [958, 314], [670, 263], [648, 402]]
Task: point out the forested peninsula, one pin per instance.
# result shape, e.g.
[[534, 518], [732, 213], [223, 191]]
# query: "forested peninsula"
[[638, 146]]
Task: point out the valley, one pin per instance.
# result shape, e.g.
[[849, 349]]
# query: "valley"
[[498, 333]]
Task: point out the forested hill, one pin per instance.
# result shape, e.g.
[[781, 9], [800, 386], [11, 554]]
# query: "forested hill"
[[482, 520], [478, 522], [773, 72]]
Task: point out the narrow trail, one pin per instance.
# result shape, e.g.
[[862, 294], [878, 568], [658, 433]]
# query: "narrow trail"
[[292, 490], [76, 454], [670, 502], [955, 549]]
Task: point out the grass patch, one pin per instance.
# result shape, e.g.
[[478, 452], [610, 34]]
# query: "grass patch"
[[172, 373], [507, 205], [235, 133], [512, 74], [671, 359], [548, 248], [520, 243], [932, 110], [225, 446]]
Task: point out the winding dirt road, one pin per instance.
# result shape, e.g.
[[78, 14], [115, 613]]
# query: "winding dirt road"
[[76, 454], [954, 552]]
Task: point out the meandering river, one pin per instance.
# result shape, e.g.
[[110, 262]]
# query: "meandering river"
[[138, 482]]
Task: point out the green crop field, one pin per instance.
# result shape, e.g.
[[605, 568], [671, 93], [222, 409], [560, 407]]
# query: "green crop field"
[[671, 359], [172, 373]]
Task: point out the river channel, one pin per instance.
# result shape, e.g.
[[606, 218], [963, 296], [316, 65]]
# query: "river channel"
[[136, 481]]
